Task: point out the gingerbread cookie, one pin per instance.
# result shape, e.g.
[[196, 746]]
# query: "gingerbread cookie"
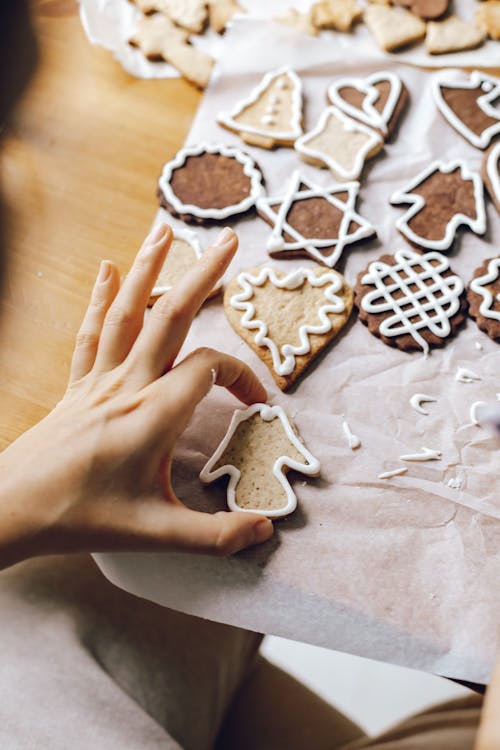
[[426, 9], [259, 448], [452, 35], [313, 221], [209, 183], [411, 301], [442, 198], [335, 14], [298, 21], [339, 143], [183, 252], [393, 27], [272, 114], [491, 173], [488, 18], [484, 297], [469, 105], [377, 100]]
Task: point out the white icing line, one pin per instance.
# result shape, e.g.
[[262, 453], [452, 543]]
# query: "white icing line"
[[310, 467], [352, 439], [350, 125], [227, 118], [393, 473], [455, 483], [478, 286], [311, 245], [417, 399], [422, 308], [192, 239], [484, 102], [368, 113], [284, 358], [428, 454], [417, 203], [493, 171], [473, 411], [249, 169], [463, 375], [478, 346]]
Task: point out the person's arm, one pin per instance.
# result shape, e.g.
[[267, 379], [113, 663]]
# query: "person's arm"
[[94, 475]]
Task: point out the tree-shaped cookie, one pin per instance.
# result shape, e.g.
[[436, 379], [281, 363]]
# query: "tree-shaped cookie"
[[469, 105], [259, 448], [484, 297], [339, 143], [410, 300], [315, 221], [271, 115], [288, 319], [442, 198], [377, 100]]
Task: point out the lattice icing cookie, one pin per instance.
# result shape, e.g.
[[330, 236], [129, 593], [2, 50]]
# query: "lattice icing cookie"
[[339, 143], [491, 173], [314, 221], [377, 100], [468, 105], [288, 318], [484, 297], [272, 113], [411, 301], [259, 448], [442, 198], [210, 182], [183, 252]]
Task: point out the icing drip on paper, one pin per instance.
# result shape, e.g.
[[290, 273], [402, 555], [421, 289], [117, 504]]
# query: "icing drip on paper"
[[284, 358], [416, 308], [455, 483], [310, 466], [428, 454], [479, 286], [352, 439], [463, 375], [368, 113], [416, 402], [473, 412], [393, 473]]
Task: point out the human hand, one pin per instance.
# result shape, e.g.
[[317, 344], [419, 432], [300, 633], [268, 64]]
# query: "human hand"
[[94, 475]]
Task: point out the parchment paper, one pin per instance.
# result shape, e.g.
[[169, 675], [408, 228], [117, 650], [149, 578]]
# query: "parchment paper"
[[111, 23], [404, 570]]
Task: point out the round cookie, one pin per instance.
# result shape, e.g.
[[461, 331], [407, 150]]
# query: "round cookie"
[[483, 296], [209, 183], [410, 300]]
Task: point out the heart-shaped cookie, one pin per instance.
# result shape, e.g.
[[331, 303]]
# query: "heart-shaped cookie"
[[377, 100], [288, 318]]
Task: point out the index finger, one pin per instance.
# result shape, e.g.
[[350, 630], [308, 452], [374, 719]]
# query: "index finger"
[[162, 337]]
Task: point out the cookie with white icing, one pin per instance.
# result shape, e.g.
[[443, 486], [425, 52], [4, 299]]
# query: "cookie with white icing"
[[271, 115], [184, 251], [411, 301], [313, 221], [468, 105], [377, 100], [339, 143], [210, 183], [289, 318], [491, 173], [259, 448], [442, 198], [483, 296]]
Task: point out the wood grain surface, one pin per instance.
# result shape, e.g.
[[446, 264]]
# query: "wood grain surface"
[[78, 173]]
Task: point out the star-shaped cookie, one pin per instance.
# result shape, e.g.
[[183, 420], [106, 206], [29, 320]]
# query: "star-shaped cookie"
[[314, 221]]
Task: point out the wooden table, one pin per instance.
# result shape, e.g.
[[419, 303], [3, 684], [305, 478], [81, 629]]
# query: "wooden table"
[[78, 172]]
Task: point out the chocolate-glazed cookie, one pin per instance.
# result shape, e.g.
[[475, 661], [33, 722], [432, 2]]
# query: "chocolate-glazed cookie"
[[209, 183]]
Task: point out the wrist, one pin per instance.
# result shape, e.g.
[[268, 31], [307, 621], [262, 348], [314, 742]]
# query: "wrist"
[[21, 528]]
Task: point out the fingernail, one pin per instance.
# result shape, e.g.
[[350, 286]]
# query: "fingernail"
[[223, 237], [104, 274], [154, 239], [263, 530]]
